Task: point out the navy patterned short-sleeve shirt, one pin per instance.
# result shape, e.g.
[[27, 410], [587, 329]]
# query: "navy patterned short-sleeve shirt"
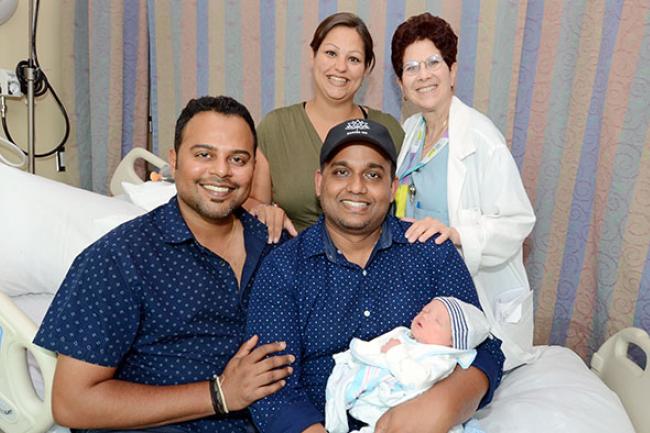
[[310, 296], [151, 301]]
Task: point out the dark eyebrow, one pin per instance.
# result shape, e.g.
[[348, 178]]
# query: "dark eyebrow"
[[372, 165], [357, 52], [211, 147], [240, 152], [202, 146], [339, 164], [334, 45], [375, 165]]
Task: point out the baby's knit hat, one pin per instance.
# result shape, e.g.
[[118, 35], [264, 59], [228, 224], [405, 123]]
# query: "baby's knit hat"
[[469, 326]]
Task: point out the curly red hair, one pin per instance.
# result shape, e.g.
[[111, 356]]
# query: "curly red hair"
[[421, 27]]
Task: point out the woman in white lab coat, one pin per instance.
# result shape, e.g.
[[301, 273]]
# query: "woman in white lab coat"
[[458, 178]]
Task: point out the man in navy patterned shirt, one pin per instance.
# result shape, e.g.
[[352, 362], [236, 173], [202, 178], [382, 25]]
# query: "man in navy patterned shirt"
[[149, 315], [355, 274]]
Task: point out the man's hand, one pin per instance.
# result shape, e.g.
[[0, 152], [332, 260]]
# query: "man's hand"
[[275, 219], [422, 230], [390, 344], [409, 417], [250, 375], [446, 404]]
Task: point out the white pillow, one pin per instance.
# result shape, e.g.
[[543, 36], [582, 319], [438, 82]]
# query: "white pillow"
[[149, 195], [556, 393], [44, 225]]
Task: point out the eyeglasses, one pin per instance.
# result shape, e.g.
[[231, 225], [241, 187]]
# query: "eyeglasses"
[[431, 63]]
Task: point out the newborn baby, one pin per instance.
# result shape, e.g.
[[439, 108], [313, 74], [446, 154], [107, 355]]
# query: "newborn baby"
[[373, 376]]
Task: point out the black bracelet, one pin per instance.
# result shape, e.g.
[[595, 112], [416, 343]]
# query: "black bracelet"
[[215, 394]]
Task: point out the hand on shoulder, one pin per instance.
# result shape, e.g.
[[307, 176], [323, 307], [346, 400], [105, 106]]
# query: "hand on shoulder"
[[275, 219], [422, 230]]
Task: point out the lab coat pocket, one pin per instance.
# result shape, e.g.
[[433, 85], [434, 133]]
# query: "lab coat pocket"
[[514, 312]]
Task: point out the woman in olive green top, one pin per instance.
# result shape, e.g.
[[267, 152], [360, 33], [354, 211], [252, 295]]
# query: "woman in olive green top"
[[290, 138]]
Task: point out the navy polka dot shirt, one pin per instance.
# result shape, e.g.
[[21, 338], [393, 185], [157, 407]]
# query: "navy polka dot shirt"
[[310, 296], [148, 299]]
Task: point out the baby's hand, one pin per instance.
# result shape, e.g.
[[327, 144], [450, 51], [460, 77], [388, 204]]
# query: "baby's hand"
[[390, 344]]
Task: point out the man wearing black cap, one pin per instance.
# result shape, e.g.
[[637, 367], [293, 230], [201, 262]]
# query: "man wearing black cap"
[[354, 274]]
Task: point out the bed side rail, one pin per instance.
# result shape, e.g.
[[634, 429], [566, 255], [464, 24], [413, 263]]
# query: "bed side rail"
[[624, 376], [125, 171], [21, 410]]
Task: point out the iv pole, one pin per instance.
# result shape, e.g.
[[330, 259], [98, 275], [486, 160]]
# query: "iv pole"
[[30, 71]]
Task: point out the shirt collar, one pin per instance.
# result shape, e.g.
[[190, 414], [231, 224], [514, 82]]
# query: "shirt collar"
[[255, 237], [313, 238], [317, 240], [396, 228], [171, 224]]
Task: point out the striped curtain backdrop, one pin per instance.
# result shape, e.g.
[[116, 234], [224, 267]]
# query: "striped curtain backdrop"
[[566, 81], [109, 74]]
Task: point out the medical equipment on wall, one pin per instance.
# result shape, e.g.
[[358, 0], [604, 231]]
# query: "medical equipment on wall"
[[10, 88], [9, 84], [32, 82]]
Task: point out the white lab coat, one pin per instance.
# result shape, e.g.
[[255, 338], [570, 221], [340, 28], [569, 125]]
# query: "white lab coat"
[[489, 208]]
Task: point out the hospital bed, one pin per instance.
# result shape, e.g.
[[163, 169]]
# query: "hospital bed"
[[43, 226], [557, 393]]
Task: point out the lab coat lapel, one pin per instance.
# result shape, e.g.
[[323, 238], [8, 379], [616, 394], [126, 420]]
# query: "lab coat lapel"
[[460, 146]]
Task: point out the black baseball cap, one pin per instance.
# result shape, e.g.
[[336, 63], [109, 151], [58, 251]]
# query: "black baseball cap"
[[358, 131]]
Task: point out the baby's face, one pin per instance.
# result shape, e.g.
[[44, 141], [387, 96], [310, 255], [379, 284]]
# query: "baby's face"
[[431, 325]]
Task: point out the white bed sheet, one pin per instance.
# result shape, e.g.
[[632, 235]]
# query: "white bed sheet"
[[557, 393]]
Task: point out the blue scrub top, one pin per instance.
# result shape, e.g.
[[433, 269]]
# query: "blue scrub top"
[[430, 182]]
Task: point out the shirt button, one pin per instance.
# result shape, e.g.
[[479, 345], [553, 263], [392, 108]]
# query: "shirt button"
[[366, 313], [364, 272]]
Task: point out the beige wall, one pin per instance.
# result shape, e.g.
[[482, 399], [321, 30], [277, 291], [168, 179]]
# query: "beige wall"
[[50, 126]]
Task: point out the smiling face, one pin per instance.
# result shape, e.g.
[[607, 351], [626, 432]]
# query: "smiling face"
[[355, 189], [430, 90], [213, 168], [432, 325], [338, 64]]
